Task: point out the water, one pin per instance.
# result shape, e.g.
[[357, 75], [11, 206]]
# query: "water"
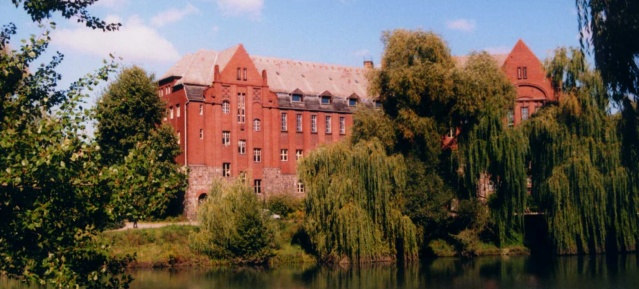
[[485, 272]]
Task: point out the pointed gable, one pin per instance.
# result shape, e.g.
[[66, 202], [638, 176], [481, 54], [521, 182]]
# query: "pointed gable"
[[527, 73]]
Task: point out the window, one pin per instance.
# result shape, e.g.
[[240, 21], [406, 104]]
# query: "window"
[[328, 124], [284, 126], [342, 125], [326, 100], [171, 112], [256, 124], [314, 123], [451, 132], [245, 74], [201, 109], [239, 73], [226, 138], [226, 169], [352, 101], [524, 113], [283, 155], [377, 103], [179, 137], [299, 154], [296, 98], [257, 186], [525, 69], [300, 186], [241, 107], [177, 110], [241, 146], [511, 118], [226, 107], [298, 122], [518, 72], [201, 134], [257, 155]]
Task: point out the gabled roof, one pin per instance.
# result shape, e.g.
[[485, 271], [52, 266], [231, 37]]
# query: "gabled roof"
[[285, 75], [500, 59], [198, 68]]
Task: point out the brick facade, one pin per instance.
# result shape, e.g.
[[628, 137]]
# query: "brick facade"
[[228, 106]]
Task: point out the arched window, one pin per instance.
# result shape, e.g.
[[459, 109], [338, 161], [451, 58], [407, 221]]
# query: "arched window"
[[226, 107], [257, 124], [201, 198]]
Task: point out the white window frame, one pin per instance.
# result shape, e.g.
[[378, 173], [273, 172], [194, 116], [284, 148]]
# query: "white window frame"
[[226, 107], [241, 107], [342, 125], [226, 138], [257, 155], [256, 124], [298, 122], [314, 123], [284, 155], [284, 120], [299, 154], [177, 110], [241, 146], [226, 169], [328, 122]]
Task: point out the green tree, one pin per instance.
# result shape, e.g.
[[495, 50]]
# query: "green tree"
[[52, 191], [234, 226], [580, 182], [415, 85], [142, 151], [148, 178], [126, 114], [352, 210]]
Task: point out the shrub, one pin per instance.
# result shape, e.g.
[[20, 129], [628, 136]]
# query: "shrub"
[[233, 226], [283, 205]]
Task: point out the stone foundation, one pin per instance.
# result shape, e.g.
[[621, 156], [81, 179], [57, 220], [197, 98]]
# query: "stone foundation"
[[202, 177]]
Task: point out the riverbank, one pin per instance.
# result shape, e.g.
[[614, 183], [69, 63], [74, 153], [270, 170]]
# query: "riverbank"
[[168, 247]]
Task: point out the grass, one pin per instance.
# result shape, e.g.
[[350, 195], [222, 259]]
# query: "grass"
[[157, 247]]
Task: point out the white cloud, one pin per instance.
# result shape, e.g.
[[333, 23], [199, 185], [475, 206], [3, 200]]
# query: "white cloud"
[[497, 49], [238, 7], [112, 3], [466, 25], [134, 42], [173, 15]]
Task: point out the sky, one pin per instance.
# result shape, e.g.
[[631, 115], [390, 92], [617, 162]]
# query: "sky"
[[156, 33]]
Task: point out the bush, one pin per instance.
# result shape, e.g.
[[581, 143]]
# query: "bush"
[[283, 205], [233, 226]]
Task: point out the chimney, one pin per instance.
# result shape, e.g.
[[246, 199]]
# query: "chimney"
[[368, 64]]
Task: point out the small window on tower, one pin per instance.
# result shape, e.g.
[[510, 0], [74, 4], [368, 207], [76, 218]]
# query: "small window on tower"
[[245, 74], [525, 69], [239, 73], [518, 72]]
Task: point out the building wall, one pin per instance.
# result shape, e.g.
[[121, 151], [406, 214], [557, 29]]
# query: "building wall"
[[201, 129]]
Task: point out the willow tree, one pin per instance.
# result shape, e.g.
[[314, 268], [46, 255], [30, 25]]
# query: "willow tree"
[[415, 85], [580, 183], [487, 149], [352, 204]]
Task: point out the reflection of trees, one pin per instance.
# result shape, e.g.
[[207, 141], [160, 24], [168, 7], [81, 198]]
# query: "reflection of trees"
[[484, 272]]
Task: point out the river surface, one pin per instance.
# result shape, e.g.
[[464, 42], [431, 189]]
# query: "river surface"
[[483, 272]]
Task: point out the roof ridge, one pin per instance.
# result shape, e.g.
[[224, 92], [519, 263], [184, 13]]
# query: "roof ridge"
[[253, 57]]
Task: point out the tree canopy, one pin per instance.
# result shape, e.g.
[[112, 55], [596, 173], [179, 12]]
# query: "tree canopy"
[[51, 186]]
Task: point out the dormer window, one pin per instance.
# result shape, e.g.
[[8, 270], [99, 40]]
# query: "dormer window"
[[352, 101], [296, 97], [325, 99]]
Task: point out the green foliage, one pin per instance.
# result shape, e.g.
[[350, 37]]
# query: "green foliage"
[[127, 112], [141, 151], [352, 204], [148, 179], [233, 226], [284, 205], [51, 186], [581, 185]]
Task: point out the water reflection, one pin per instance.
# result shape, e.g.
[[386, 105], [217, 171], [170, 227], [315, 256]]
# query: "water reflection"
[[485, 272]]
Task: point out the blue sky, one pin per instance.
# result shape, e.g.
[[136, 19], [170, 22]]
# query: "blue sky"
[[157, 32]]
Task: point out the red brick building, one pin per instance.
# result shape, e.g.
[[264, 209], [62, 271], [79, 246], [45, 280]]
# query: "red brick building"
[[246, 116]]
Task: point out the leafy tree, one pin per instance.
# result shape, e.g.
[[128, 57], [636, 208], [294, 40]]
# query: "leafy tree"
[[148, 178], [127, 112], [581, 185], [415, 85], [233, 225], [145, 178], [352, 206], [487, 149], [52, 191]]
